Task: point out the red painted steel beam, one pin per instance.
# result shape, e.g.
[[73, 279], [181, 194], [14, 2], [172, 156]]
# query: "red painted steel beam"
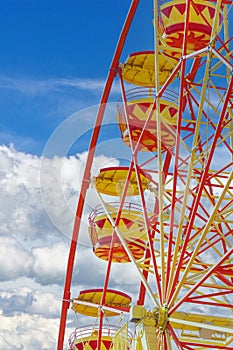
[[210, 121], [207, 246], [202, 183], [202, 280], [151, 245], [86, 177], [209, 295], [174, 337], [206, 346], [177, 147], [142, 291], [229, 306]]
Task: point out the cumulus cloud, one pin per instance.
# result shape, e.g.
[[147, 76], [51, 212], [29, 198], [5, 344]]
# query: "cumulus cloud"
[[50, 263], [34, 245], [60, 184], [31, 245], [15, 261], [23, 181], [26, 331], [21, 207], [45, 304], [46, 263], [29, 300]]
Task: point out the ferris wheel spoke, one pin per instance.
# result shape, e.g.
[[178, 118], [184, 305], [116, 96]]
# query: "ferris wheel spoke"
[[150, 236], [188, 180], [202, 237], [201, 185], [203, 279], [174, 337], [170, 268], [127, 249]]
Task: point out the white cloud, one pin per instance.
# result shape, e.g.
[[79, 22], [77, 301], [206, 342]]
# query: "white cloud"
[[20, 190], [4, 345], [29, 319], [22, 181], [33, 253], [31, 245], [45, 304], [125, 275], [60, 184], [28, 332], [33, 87], [50, 263], [20, 300], [15, 261]]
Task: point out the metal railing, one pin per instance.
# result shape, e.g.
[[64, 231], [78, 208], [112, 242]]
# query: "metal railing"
[[90, 332], [139, 93], [133, 208]]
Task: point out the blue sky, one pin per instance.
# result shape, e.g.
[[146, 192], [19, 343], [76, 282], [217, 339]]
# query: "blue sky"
[[54, 60]]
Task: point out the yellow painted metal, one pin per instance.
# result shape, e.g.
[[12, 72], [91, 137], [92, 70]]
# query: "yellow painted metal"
[[121, 339], [191, 327], [111, 181], [142, 107], [137, 313], [202, 329], [132, 259], [201, 21], [190, 170], [146, 335], [138, 112], [139, 69], [162, 318], [159, 152], [113, 299], [200, 322], [133, 228], [202, 236], [149, 326]]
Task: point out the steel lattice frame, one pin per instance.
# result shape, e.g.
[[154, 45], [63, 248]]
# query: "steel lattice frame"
[[188, 253]]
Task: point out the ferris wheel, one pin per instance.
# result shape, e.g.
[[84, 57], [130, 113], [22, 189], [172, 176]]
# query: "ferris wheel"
[[168, 215]]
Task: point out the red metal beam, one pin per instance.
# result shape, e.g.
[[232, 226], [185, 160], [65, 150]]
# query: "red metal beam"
[[201, 185], [202, 280], [229, 306], [206, 346], [182, 102], [174, 337]]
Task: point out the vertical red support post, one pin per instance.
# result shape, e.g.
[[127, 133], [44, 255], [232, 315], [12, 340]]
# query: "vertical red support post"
[[86, 177]]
